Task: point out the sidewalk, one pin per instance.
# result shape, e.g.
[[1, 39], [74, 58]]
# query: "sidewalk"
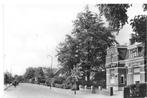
[[82, 94], [119, 95]]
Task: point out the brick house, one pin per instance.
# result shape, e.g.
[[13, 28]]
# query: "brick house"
[[115, 67], [124, 65], [135, 64]]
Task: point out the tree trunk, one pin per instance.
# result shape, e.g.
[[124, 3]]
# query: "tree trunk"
[[145, 59], [88, 77], [75, 88]]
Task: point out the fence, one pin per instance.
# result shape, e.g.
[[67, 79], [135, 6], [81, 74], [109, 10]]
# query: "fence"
[[94, 90]]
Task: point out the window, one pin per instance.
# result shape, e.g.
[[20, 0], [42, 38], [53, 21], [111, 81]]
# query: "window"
[[133, 53], [108, 60], [112, 80], [136, 78], [136, 70], [140, 51]]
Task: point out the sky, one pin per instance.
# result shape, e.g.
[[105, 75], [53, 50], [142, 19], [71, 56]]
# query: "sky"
[[32, 32]]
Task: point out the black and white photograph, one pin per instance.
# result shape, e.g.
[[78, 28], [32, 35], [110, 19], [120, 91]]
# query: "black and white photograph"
[[73, 49]]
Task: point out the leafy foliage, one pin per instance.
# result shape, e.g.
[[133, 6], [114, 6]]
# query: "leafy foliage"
[[38, 75], [99, 79], [139, 25], [115, 14], [19, 78], [30, 73], [8, 78], [66, 54], [86, 46], [76, 73]]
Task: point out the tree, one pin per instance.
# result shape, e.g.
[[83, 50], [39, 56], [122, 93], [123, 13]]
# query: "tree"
[[76, 73], [19, 78], [86, 45], [115, 14], [8, 78], [39, 75], [49, 73], [139, 26], [66, 54], [29, 74], [93, 40], [99, 79]]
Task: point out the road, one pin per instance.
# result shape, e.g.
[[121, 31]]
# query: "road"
[[34, 91], [26, 90]]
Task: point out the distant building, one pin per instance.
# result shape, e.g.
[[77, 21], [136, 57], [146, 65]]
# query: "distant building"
[[124, 65]]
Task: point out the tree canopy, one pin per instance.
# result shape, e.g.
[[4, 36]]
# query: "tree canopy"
[[30, 73], [115, 14], [139, 26], [87, 44], [8, 78]]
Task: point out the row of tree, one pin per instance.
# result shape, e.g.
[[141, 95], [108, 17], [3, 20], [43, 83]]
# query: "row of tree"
[[36, 75], [39, 75], [87, 44]]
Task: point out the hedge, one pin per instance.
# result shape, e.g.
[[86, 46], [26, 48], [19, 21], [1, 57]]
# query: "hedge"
[[136, 90]]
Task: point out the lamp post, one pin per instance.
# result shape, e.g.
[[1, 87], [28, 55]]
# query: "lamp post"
[[51, 67], [51, 61]]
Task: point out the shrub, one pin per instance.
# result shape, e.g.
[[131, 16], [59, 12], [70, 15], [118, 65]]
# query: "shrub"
[[67, 85], [58, 85], [48, 82], [58, 80]]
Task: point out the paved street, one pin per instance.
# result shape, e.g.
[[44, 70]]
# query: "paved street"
[[38, 91], [33, 91]]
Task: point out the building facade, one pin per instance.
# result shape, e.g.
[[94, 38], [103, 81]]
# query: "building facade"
[[115, 67], [124, 66], [135, 64]]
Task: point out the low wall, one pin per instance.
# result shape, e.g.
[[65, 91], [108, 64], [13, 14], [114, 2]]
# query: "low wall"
[[94, 90]]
